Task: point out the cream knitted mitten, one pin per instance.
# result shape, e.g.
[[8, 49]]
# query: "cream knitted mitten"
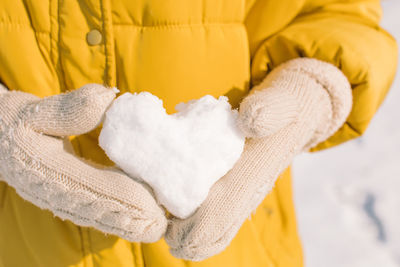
[[298, 105], [34, 160]]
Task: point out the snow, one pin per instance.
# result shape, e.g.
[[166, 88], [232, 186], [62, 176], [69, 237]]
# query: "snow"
[[180, 155], [347, 198]]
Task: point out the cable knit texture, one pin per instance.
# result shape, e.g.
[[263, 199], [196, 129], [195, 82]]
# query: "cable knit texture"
[[35, 161], [298, 105]]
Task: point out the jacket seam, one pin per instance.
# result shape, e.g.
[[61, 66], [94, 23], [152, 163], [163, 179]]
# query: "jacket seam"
[[103, 22], [178, 26], [50, 35], [81, 242], [21, 26], [177, 22], [3, 193], [61, 74], [109, 75], [89, 245]]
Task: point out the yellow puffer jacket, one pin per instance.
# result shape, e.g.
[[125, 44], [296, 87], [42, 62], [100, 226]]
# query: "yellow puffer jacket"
[[179, 50]]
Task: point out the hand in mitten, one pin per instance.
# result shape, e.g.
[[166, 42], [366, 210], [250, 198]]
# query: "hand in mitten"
[[34, 160], [298, 105]]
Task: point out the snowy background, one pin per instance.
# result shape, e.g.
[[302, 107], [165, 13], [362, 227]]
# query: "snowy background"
[[348, 198]]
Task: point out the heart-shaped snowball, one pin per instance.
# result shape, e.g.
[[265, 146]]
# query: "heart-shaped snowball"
[[180, 155]]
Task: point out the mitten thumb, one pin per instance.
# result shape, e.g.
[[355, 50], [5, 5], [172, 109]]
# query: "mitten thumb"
[[72, 113], [264, 112]]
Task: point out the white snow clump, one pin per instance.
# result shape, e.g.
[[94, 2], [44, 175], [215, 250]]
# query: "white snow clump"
[[180, 155]]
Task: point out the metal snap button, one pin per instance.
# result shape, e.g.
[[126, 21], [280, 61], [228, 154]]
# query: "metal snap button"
[[94, 37]]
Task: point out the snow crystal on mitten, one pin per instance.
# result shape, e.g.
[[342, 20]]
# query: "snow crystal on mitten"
[[180, 155]]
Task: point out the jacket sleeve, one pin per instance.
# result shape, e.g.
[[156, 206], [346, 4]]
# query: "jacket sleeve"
[[344, 33]]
